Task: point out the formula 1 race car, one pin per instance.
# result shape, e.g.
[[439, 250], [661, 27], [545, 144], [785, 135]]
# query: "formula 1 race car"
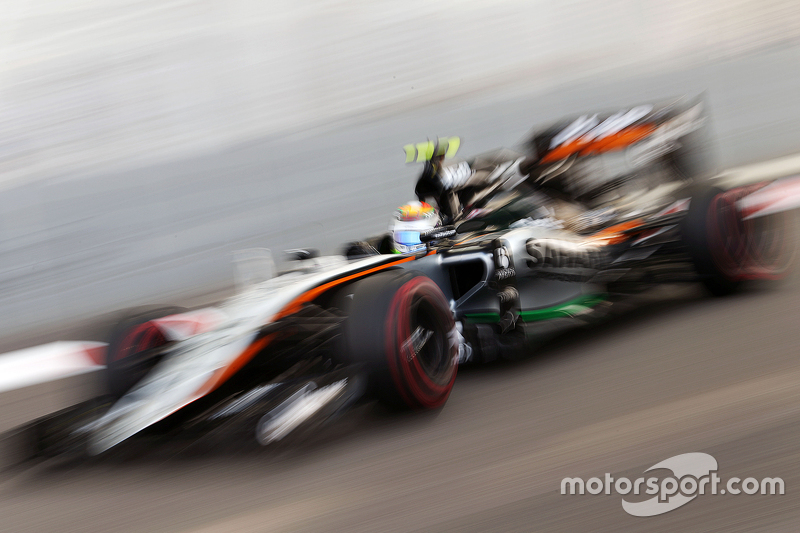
[[586, 214]]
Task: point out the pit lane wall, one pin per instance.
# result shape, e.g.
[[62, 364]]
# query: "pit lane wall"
[[90, 86]]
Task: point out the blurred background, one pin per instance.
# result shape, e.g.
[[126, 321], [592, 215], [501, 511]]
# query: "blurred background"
[[143, 142]]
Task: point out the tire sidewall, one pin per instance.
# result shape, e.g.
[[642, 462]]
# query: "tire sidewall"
[[376, 333], [709, 241], [119, 378]]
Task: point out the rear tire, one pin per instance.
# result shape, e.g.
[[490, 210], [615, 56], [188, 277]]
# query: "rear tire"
[[130, 350], [727, 250], [399, 325]]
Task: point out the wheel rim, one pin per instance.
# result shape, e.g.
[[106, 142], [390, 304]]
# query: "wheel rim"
[[431, 352], [422, 365]]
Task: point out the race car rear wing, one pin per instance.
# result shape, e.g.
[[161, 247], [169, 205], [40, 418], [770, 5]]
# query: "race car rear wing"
[[645, 132]]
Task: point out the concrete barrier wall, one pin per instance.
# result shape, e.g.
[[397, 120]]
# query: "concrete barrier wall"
[[90, 85]]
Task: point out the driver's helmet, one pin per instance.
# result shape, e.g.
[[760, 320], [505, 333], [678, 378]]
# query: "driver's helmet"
[[408, 222]]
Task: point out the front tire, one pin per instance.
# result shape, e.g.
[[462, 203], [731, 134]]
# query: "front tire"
[[400, 326], [133, 349]]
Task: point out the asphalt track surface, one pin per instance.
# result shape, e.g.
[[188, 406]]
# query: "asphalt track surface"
[[680, 373]]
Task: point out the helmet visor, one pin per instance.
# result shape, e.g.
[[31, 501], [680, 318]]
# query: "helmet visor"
[[407, 238]]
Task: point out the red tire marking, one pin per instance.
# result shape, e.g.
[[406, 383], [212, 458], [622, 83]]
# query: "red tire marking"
[[737, 245], [412, 382], [138, 339]]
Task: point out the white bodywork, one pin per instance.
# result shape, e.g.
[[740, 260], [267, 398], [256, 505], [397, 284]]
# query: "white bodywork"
[[188, 371]]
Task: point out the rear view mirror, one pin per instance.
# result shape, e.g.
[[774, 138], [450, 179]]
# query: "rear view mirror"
[[472, 225], [437, 234], [301, 254]]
